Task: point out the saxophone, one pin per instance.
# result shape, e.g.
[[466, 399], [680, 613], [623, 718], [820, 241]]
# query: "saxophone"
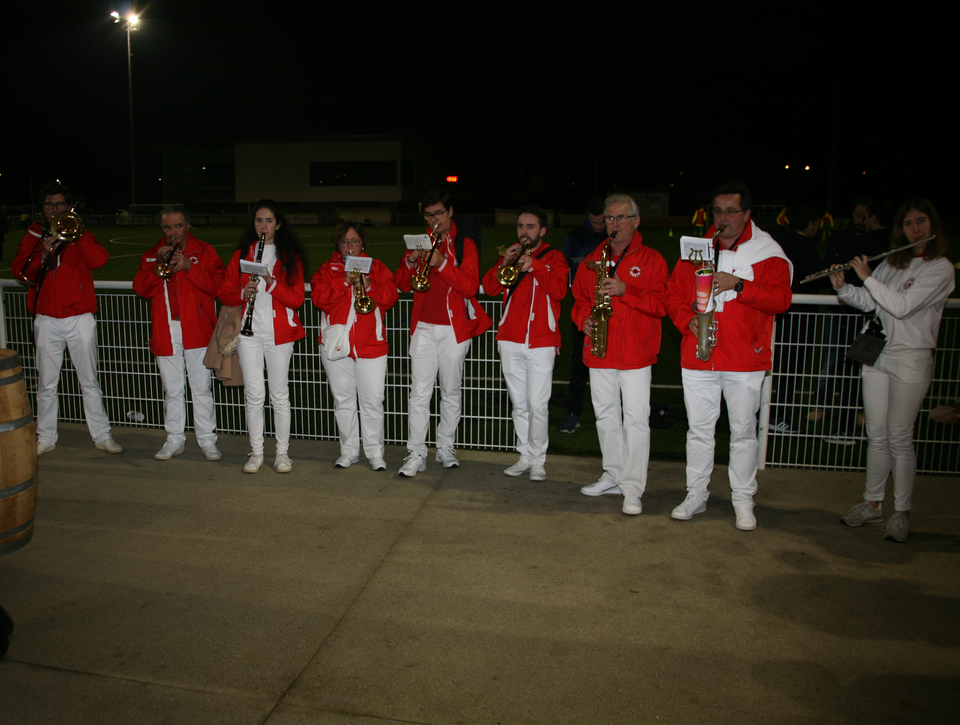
[[602, 309]]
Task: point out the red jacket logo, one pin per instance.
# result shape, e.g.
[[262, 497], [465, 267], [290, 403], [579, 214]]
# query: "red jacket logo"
[[634, 271], [909, 283]]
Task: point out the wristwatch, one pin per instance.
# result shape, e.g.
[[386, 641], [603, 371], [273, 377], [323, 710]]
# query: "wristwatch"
[[738, 287]]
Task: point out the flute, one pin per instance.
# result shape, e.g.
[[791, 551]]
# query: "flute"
[[844, 267]]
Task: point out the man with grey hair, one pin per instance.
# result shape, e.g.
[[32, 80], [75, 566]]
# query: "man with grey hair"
[[180, 275], [633, 283]]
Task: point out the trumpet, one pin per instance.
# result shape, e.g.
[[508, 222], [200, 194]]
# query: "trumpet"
[[507, 274], [164, 266], [65, 226], [421, 277], [362, 302], [844, 267], [602, 309], [247, 329]]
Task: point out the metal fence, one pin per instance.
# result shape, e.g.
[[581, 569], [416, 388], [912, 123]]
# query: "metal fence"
[[816, 393], [133, 392], [802, 382]]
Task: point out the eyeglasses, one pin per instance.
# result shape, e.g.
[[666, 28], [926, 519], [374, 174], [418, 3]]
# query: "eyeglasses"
[[54, 205], [434, 216], [726, 213], [619, 219], [349, 242]]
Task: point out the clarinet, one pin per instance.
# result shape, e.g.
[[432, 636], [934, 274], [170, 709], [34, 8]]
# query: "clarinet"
[[247, 329]]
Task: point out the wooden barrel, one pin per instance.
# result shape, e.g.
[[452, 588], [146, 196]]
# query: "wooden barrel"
[[18, 456]]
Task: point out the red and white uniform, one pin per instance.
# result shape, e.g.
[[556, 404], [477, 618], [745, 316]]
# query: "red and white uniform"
[[362, 375], [444, 320], [738, 362], [63, 307], [181, 329], [633, 342], [276, 326], [528, 338]]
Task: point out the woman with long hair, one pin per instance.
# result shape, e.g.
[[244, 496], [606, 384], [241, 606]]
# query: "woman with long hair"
[[272, 301], [355, 307], [907, 292]]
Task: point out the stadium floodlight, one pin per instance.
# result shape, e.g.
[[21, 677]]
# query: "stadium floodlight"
[[132, 23]]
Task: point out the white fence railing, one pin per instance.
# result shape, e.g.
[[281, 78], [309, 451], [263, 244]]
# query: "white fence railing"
[[802, 381], [816, 392], [132, 388]]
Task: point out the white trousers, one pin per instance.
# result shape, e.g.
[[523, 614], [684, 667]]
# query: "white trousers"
[[79, 335], [528, 373], [434, 350], [253, 352], [172, 369], [892, 394], [350, 380], [623, 429], [701, 394]]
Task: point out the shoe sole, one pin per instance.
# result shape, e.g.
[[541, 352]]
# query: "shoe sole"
[[515, 474], [854, 525], [448, 464], [411, 475], [615, 491], [569, 431], [747, 527], [167, 458], [539, 478], [681, 517]]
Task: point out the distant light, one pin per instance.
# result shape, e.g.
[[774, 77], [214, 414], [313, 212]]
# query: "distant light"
[[864, 173], [787, 166], [452, 179], [133, 19], [806, 168]]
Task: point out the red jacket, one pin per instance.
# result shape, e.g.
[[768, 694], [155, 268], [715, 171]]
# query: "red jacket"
[[67, 289], [197, 288], [633, 331], [745, 326], [288, 294], [334, 295], [533, 307], [463, 310]]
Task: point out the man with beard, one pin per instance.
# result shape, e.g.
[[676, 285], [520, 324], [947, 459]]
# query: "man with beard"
[[528, 336], [181, 291]]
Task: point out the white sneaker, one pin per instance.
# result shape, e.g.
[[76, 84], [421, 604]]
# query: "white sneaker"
[[412, 465], [109, 445], [448, 457], [346, 461], [897, 528], [863, 513], [695, 503], [537, 472], [283, 464], [211, 452], [169, 450], [632, 505], [45, 447], [518, 468], [378, 464], [746, 521], [253, 463], [603, 487]]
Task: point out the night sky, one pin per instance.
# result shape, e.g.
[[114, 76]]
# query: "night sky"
[[544, 105]]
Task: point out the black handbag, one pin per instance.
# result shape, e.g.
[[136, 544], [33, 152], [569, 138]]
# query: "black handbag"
[[868, 345]]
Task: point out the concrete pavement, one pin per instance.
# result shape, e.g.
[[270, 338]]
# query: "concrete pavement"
[[185, 591]]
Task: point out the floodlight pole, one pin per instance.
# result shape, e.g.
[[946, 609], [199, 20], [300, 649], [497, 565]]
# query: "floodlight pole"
[[133, 177], [131, 22]]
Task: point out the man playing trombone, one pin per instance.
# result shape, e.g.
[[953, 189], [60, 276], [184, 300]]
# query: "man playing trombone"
[[446, 316], [532, 278], [180, 275], [62, 300]]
